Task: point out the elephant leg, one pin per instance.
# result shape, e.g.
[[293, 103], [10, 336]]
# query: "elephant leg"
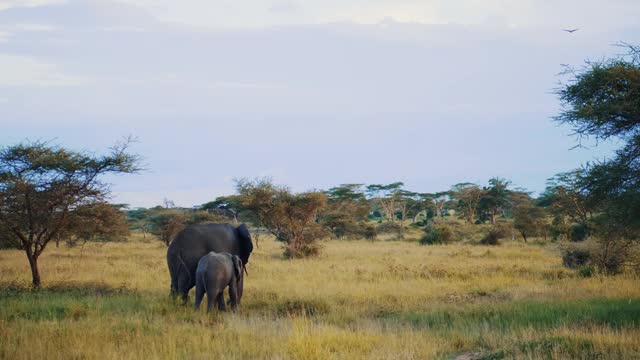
[[240, 287], [210, 300], [184, 285], [233, 295], [199, 292], [220, 299]]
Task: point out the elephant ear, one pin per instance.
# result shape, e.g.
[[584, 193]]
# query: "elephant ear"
[[237, 266], [244, 240]]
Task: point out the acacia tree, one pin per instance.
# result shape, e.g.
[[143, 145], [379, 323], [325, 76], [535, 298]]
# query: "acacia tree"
[[98, 221], [388, 197], [468, 198], [566, 196], [496, 198], [227, 206], [602, 101], [439, 201], [418, 203], [44, 187], [346, 208], [528, 218], [291, 218]]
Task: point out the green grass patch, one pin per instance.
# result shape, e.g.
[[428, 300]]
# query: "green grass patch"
[[610, 312], [73, 302]]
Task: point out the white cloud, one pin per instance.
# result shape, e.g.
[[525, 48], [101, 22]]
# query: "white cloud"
[[30, 27], [8, 4], [7, 31], [259, 13], [16, 70]]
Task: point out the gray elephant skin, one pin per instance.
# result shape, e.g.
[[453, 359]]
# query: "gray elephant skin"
[[196, 241], [214, 273]]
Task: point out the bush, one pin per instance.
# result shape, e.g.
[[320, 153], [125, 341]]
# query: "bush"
[[492, 238], [369, 232], [586, 271], [498, 231], [607, 256], [576, 258], [389, 227], [579, 233], [437, 234], [305, 250], [307, 245], [610, 255]]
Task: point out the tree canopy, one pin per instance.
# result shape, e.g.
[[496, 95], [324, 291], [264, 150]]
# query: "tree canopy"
[[603, 101], [291, 218], [46, 190]]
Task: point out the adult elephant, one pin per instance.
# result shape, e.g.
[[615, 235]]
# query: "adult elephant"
[[198, 240]]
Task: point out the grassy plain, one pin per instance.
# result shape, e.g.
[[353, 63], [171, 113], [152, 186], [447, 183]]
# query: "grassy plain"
[[359, 299]]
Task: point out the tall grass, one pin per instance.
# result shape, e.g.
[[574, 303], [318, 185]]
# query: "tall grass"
[[380, 300]]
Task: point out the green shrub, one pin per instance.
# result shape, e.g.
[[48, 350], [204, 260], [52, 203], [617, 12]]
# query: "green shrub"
[[576, 258], [437, 234], [389, 227], [370, 232], [579, 233], [586, 271], [498, 231]]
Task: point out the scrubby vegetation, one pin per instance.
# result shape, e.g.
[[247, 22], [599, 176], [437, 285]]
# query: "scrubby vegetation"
[[358, 299]]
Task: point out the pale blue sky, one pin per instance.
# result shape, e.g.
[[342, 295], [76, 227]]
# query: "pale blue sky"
[[311, 93]]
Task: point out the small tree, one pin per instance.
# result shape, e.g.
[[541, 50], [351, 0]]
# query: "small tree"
[[346, 208], [98, 221], [468, 198], [167, 223], [291, 218], [44, 188], [496, 198], [528, 218], [388, 198], [439, 201], [226, 206], [140, 219], [566, 197]]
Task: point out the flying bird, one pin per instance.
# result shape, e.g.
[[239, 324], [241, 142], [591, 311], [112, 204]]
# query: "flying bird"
[[570, 31]]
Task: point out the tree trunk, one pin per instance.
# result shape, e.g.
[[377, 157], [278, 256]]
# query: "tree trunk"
[[295, 245], [35, 273], [493, 218], [472, 216], [524, 236], [415, 218]]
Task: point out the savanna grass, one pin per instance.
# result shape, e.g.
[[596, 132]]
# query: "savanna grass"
[[359, 299]]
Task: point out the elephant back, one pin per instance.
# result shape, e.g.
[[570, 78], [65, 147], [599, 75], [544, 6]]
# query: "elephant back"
[[198, 240]]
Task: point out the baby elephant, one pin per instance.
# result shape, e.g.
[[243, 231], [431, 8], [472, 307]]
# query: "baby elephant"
[[215, 272]]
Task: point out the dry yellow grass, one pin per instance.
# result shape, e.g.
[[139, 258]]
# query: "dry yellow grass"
[[379, 300]]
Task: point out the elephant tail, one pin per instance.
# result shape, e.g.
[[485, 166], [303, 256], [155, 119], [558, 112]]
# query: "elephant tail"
[[186, 268], [203, 281]]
